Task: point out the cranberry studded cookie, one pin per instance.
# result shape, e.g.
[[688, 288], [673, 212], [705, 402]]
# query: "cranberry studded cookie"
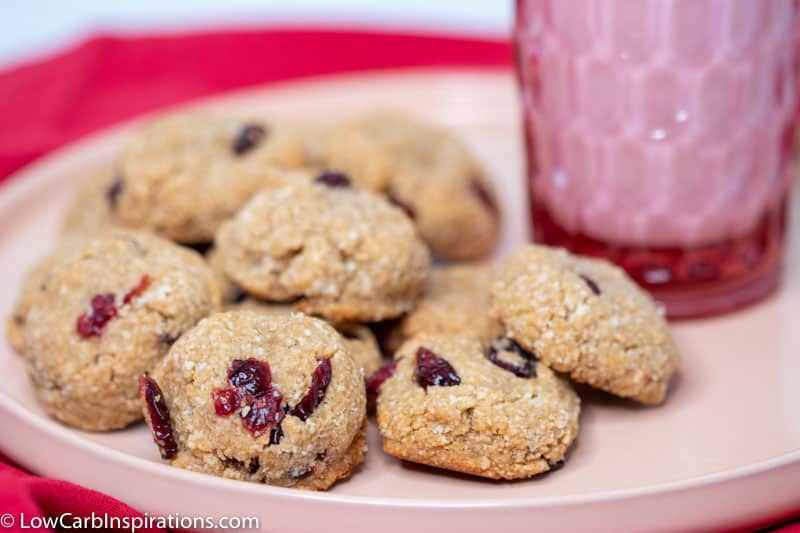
[[271, 399], [105, 314], [183, 175], [341, 253], [489, 410], [359, 339], [427, 172], [587, 318], [456, 300]]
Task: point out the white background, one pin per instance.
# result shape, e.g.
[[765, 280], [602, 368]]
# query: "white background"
[[30, 28]]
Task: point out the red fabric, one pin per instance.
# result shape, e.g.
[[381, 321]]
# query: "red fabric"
[[26, 498], [107, 79]]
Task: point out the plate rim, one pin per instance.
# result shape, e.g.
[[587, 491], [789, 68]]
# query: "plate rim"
[[35, 174], [67, 435]]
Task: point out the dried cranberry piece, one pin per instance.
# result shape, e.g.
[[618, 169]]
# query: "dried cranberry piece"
[[251, 376], [138, 289], [433, 370], [374, 381], [250, 383], [320, 380], [114, 190], [226, 400], [160, 423], [264, 413], [248, 138], [407, 209], [93, 322], [506, 344], [103, 308], [591, 283], [333, 179], [483, 194]]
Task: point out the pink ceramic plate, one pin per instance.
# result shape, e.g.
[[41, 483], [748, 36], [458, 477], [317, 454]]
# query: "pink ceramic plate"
[[724, 450]]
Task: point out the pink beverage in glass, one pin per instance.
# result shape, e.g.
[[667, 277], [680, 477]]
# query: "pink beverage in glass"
[[660, 135]]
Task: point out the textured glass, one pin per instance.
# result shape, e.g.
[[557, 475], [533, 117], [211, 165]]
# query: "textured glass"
[[660, 132]]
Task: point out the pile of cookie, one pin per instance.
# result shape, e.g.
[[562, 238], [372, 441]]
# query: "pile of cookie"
[[247, 288]]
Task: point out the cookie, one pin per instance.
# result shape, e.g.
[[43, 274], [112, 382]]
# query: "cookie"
[[359, 339], [587, 318], [183, 175], [425, 170], [271, 399], [457, 403], [338, 252], [456, 300], [90, 209], [105, 314]]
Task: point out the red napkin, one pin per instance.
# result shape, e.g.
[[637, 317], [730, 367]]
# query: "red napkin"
[[26, 499], [107, 79]]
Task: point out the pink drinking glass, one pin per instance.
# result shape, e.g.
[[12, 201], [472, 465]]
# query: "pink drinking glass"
[[659, 135]]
